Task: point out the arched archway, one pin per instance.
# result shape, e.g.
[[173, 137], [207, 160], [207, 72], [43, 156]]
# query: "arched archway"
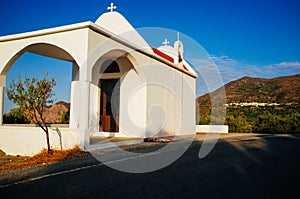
[[108, 76], [43, 49]]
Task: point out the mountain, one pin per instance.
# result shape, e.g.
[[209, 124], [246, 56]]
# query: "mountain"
[[281, 90]]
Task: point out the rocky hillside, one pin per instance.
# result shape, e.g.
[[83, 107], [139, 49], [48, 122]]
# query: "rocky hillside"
[[281, 90], [53, 114]]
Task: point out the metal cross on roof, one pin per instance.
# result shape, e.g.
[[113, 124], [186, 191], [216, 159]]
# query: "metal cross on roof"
[[112, 7], [166, 42]]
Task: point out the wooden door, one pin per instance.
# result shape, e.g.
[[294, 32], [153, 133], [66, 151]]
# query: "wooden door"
[[109, 105]]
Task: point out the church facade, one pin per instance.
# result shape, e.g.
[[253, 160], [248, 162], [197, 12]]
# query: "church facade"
[[121, 86]]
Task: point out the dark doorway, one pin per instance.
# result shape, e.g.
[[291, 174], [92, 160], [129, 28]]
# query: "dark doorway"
[[109, 105]]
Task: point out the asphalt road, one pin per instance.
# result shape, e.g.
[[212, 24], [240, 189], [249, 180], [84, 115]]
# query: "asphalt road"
[[239, 167]]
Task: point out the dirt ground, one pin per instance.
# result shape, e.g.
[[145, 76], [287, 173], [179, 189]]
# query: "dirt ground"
[[43, 158]]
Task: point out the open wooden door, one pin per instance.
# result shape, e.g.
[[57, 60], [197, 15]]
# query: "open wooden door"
[[109, 105]]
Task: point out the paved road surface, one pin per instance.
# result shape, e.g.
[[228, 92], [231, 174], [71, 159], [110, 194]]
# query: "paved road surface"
[[237, 167]]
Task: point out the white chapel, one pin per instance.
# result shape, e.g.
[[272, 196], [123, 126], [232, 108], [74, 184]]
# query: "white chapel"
[[121, 85]]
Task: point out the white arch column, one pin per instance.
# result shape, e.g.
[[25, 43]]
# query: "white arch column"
[[79, 113], [1, 104], [9, 54], [2, 86], [81, 103], [74, 120]]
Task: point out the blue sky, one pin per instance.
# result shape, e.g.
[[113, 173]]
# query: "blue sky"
[[258, 38]]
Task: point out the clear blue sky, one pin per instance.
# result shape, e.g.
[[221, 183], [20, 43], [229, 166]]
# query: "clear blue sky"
[[244, 37]]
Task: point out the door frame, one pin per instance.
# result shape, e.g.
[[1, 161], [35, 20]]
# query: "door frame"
[[109, 122]]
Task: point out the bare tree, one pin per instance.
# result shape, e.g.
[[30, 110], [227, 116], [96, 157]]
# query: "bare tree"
[[32, 96]]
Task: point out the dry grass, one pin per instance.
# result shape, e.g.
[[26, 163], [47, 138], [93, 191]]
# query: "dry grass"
[[11, 162]]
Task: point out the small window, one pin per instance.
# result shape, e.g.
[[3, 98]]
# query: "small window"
[[109, 66]]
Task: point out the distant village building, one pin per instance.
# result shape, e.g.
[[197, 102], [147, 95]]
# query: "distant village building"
[[121, 86], [256, 104]]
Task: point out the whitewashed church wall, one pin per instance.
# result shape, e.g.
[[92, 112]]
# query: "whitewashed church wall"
[[133, 94], [94, 40], [188, 105], [100, 45], [177, 88], [29, 141], [163, 100]]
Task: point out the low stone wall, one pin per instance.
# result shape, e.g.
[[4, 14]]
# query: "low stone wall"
[[212, 128], [32, 140]]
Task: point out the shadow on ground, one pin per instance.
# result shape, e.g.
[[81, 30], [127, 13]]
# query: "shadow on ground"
[[253, 167]]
